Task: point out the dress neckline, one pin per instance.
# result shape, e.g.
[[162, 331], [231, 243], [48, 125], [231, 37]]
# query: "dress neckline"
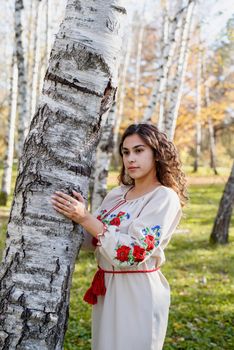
[[134, 199]]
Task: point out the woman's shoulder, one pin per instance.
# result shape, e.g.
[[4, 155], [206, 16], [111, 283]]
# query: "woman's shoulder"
[[165, 193]]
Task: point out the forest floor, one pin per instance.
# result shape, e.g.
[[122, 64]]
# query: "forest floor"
[[201, 277]]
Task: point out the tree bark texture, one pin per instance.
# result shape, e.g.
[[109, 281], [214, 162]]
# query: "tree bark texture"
[[222, 221], [42, 245], [22, 80]]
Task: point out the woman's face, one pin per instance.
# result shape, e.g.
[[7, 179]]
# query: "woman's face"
[[138, 158]]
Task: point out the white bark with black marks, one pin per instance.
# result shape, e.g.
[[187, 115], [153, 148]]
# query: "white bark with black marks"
[[42, 245], [36, 58], [22, 80]]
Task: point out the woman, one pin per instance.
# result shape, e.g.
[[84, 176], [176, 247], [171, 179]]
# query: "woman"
[[129, 293]]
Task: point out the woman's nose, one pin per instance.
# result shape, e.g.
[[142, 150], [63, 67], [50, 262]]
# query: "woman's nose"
[[131, 158]]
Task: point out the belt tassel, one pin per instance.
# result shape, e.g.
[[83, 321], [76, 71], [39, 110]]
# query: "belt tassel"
[[97, 288]]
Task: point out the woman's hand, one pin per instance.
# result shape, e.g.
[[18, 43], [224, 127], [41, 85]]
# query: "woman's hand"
[[69, 206]]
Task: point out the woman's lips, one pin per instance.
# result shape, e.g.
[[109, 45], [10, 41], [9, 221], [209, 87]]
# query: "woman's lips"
[[133, 168]]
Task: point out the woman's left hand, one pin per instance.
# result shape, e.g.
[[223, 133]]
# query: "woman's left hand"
[[69, 206]]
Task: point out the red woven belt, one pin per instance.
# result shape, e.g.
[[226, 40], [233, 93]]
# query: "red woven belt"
[[98, 284]]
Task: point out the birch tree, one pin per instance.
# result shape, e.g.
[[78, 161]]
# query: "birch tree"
[[220, 229], [176, 88], [198, 112], [41, 245], [8, 161], [138, 70], [210, 120], [121, 96], [22, 81], [170, 41], [36, 58], [103, 159]]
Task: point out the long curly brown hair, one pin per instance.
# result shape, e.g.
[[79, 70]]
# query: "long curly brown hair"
[[168, 164]]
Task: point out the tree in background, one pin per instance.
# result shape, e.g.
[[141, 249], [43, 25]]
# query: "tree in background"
[[220, 229], [22, 80], [10, 136]]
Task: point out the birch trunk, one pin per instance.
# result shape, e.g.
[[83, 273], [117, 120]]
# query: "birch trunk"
[[120, 113], [210, 121], [44, 52], [29, 48], [175, 96], [138, 72], [169, 46], [198, 114], [36, 58], [47, 30], [22, 81], [222, 221], [103, 158], [212, 145], [41, 246], [8, 161]]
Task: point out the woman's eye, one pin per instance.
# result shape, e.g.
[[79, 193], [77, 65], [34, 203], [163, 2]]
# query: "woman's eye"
[[125, 153], [139, 150]]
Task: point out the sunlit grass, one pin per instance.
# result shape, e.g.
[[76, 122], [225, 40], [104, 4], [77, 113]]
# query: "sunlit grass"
[[201, 277]]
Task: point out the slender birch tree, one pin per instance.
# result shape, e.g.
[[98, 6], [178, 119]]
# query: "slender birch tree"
[[22, 80], [210, 120], [42, 245], [176, 88], [220, 229], [36, 58], [103, 159], [198, 132], [8, 161], [169, 43], [121, 96], [138, 70]]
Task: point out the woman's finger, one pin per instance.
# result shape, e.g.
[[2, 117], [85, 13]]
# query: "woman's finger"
[[64, 196], [61, 206], [59, 199], [79, 196]]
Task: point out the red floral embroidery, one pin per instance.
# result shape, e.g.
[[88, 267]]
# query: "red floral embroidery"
[[150, 241], [123, 252], [115, 222], [121, 213], [139, 253]]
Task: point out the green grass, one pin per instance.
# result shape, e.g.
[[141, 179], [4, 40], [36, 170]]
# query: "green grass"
[[201, 277]]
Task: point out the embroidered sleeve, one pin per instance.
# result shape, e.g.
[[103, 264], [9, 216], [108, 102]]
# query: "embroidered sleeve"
[[152, 229]]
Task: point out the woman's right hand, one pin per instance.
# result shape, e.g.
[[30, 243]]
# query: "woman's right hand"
[[70, 207]]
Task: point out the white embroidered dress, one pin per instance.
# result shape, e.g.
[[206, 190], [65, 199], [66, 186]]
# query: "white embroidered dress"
[[133, 314]]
